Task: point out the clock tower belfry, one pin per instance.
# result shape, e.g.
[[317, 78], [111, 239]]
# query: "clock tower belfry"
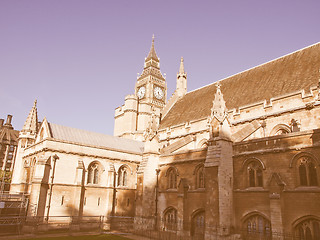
[[132, 119]]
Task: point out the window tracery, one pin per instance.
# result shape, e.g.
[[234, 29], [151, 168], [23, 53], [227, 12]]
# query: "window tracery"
[[170, 219], [255, 176], [280, 129], [257, 227], [307, 171], [308, 230], [93, 173]]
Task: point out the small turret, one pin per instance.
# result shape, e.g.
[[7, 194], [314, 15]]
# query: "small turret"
[[30, 127], [181, 80], [27, 137], [31, 122]]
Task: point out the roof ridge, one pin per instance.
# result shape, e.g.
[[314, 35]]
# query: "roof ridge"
[[88, 131], [260, 65]]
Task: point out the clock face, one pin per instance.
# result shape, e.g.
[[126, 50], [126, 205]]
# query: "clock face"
[[141, 92], [158, 93]]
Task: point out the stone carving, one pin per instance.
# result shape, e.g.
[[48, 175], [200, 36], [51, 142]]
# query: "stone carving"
[[219, 109], [218, 113], [151, 130]]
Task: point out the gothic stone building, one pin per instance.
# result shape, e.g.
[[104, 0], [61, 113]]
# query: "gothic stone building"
[[236, 158], [8, 148]]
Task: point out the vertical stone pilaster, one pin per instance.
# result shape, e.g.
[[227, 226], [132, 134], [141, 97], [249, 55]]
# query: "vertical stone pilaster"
[[276, 186], [219, 187], [276, 215], [79, 189], [182, 208], [40, 186]]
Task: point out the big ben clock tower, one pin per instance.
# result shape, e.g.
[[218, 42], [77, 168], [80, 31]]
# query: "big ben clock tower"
[[132, 119]]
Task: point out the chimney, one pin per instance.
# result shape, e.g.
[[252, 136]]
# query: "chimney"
[[9, 118], [1, 122]]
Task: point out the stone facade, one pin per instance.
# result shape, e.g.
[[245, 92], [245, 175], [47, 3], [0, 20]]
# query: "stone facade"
[[235, 159]]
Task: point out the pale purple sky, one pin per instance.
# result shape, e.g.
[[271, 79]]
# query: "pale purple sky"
[[79, 58]]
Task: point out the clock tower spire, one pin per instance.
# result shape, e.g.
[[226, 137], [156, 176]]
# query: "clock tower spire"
[[132, 119]]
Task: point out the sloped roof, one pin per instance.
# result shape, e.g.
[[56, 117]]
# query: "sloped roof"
[[8, 134], [288, 74], [88, 138]]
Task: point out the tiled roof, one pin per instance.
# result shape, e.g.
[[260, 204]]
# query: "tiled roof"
[[88, 138], [288, 74]]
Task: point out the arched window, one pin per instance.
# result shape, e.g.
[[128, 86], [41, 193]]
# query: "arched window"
[[93, 173], [307, 171], [254, 172], [122, 176], [308, 230], [199, 175], [257, 227], [172, 178], [198, 225], [170, 219], [280, 129]]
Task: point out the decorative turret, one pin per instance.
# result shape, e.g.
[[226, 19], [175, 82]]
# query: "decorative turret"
[[30, 127], [219, 109], [31, 122], [181, 80], [218, 122], [27, 137]]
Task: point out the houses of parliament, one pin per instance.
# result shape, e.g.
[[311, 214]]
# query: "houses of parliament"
[[237, 159]]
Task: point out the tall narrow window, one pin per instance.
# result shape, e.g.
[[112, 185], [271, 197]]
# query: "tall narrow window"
[[122, 176], [303, 175], [255, 176], [313, 174], [307, 171], [93, 173], [200, 177], [95, 176], [198, 225], [172, 178]]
